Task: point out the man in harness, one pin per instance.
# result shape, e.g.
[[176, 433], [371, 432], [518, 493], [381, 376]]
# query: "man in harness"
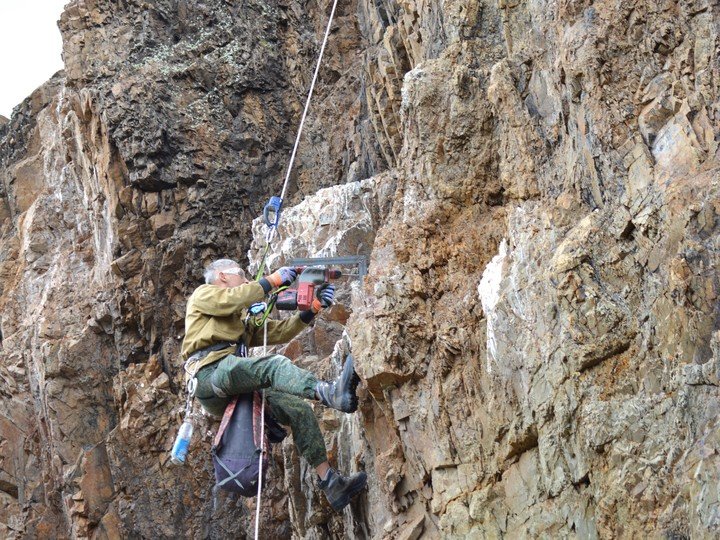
[[215, 340]]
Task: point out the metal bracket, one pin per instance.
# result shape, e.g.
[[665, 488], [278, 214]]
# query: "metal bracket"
[[359, 260]]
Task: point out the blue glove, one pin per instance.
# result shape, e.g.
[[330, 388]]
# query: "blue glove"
[[283, 276], [326, 295]]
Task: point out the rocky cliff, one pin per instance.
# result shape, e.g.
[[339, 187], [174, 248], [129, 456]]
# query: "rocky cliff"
[[534, 184]]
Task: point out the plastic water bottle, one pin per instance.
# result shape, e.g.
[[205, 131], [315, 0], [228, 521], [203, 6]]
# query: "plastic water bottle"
[[182, 442]]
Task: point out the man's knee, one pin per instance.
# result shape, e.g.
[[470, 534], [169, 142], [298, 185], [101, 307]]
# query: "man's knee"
[[290, 409], [304, 411], [220, 382], [278, 359]]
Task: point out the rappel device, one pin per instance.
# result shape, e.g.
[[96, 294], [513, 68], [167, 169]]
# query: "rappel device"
[[271, 212]]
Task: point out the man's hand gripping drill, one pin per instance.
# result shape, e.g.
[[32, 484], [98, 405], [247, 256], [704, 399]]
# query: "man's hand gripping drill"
[[314, 290]]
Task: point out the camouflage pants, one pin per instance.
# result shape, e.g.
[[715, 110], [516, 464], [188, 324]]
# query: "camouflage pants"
[[286, 386]]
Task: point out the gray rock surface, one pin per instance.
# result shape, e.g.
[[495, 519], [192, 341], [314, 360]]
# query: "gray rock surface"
[[535, 185]]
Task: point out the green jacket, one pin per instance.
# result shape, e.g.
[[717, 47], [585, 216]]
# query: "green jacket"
[[216, 314]]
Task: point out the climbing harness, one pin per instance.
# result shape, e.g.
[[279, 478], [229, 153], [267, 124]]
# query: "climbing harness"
[[202, 353], [180, 447]]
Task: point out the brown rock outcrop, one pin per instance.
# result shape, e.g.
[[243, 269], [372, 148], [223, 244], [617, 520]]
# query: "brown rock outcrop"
[[535, 186]]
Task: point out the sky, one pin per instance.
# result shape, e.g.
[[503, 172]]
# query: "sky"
[[30, 48]]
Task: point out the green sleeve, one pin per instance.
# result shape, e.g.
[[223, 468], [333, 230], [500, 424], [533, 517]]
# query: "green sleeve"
[[223, 301], [278, 331]]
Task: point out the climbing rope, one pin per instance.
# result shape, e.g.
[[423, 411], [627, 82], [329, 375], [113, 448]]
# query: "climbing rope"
[[307, 102], [262, 443], [274, 206]]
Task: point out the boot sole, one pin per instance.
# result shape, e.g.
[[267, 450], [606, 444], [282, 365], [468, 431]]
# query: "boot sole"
[[338, 506], [350, 380]]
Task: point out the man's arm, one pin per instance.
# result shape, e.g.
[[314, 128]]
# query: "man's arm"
[[223, 301], [283, 331], [279, 331]]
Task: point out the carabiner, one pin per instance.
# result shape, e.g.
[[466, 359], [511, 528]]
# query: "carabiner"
[[191, 386]]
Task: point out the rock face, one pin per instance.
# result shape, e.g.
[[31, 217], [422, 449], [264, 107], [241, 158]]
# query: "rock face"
[[535, 186]]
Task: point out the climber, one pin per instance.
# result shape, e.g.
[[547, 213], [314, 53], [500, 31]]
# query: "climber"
[[215, 330]]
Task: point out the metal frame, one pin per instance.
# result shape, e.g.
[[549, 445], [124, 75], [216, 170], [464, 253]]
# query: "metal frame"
[[359, 260]]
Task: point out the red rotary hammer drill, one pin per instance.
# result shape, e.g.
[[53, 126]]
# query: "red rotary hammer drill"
[[312, 279]]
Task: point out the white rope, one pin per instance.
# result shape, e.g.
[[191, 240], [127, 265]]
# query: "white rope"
[[262, 443], [271, 233], [260, 470]]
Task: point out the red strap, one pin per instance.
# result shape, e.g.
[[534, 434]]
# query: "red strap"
[[257, 423], [225, 421], [257, 408]]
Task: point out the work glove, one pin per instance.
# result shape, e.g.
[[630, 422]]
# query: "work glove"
[[323, 297], [282, 277]]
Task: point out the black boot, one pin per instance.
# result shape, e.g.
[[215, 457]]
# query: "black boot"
[[340, 394], [340, 489]]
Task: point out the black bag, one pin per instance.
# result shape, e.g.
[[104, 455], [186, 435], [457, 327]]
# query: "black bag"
[[236, 448]]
